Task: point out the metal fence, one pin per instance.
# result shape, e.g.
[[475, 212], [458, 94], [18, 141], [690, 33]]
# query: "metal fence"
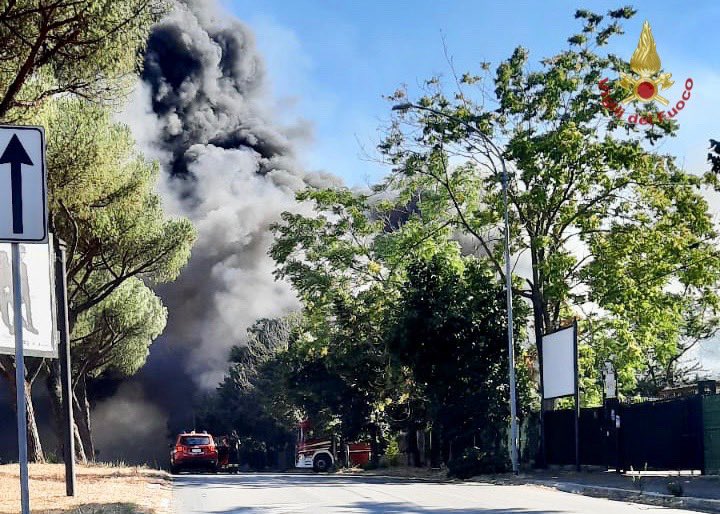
[[655, 435]]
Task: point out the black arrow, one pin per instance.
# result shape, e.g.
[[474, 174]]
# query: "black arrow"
[[16, 155]]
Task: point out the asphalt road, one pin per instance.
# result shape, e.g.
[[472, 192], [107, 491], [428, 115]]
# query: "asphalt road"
[[291, 493]]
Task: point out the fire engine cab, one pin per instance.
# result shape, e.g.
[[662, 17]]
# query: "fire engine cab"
[[320, 453]]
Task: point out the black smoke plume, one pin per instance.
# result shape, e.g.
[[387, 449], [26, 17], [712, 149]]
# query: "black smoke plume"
[[230, 169]]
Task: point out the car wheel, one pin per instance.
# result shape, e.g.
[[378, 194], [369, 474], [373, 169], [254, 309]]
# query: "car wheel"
[[321, 463], [174, 470]]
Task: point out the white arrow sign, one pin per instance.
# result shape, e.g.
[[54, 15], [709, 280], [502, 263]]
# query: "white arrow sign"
[[23, 185]]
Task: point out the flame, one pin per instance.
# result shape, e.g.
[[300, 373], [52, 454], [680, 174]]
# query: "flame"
[[645, 60]]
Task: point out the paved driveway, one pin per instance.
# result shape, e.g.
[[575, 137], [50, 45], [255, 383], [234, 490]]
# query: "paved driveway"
[[299, 493]]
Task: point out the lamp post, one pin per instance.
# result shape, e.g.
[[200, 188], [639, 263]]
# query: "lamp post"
[[508, 279]]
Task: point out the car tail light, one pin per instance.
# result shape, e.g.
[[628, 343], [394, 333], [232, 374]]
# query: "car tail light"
[[179, 448]]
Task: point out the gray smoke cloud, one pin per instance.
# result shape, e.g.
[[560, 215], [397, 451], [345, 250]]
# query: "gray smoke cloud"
[[204, 112], [231, 170]]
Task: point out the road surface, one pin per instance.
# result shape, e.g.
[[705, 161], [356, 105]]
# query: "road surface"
[[340, 494]]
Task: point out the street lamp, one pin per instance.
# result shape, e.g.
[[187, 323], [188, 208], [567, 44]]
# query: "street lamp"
[[508, 279]]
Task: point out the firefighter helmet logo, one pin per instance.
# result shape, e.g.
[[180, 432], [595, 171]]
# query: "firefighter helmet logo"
[[645, 83]]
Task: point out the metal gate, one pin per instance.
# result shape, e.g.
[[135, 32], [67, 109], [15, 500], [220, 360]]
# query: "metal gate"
[[662, 435]]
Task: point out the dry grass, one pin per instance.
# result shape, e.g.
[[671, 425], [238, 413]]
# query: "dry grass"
[[100, 489]]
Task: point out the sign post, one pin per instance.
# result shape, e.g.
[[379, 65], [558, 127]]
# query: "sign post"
[[65, 376], [20, 382], [559, 372], [23, 219]]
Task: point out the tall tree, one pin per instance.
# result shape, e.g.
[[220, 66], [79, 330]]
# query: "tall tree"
[[396, 324], [83, 48], [449, 332], [250, 401], [103, 205], [346, 262], [586, 195], [67, 49], [115, 335]]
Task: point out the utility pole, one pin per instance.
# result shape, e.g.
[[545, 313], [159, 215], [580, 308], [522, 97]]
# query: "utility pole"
[[514, 432]]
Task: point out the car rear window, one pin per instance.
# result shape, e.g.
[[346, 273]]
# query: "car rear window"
[[194, 440]]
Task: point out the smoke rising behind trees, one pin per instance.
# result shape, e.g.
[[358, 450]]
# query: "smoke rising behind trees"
[[203, 110]]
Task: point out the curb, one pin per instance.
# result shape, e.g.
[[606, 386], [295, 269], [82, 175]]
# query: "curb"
[[619, 494]]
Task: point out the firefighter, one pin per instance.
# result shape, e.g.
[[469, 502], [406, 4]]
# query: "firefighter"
[[223, 452], [234, 443]]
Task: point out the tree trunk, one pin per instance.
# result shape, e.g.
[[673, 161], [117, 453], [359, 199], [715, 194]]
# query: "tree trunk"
[[79, 450], [374, 445], [55, 392], [445, 448], [35, 451], [412, 445], [82, 418], [434, 448]]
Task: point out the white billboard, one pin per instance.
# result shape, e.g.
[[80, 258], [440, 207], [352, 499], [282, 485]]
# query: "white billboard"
[[559, 370], [38, 306]]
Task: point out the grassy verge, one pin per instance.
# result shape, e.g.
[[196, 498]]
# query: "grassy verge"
[[100, 489]]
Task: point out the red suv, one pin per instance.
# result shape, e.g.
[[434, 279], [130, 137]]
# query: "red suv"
[[194, 450]]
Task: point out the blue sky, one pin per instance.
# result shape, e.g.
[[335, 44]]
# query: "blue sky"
[[330, 62]]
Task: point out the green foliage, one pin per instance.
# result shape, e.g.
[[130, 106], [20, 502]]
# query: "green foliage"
[[450, 333], [392, 453], [116, 333], [83, 48], [103, 205], [65, 65], [251, 399], [119, 242], [607, 224], [675, 488], [347, 261], [472, 462], [399, 329]]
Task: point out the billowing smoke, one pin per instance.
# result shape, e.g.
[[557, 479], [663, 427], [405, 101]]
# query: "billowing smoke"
[[203, 111]]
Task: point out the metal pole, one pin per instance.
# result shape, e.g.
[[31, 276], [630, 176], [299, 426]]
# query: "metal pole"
[[20, 380], [577, 400], [511, 346], [65, 376]]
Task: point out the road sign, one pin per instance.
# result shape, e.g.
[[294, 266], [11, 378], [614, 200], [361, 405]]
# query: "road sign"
[[23, 185], [36, 293], [23, 219]]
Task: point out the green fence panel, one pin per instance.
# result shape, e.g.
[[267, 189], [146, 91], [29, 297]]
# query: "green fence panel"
[[711, 422]]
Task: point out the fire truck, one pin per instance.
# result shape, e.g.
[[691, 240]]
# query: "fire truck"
[[321, 453]]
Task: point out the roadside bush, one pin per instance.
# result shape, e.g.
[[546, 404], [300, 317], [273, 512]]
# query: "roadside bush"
[[253, 453], [474, 461], [675, 488], [392, 454]]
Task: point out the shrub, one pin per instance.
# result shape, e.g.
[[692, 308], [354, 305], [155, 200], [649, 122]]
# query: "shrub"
[[474, 461], [392, 454], [675, 488]]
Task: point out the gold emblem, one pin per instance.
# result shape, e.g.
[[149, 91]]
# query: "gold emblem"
[[645, 84]]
